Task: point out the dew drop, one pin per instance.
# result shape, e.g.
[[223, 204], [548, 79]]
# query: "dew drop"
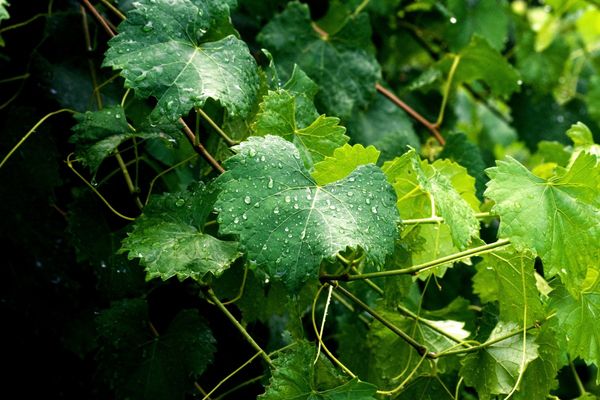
[[374, 210], [453, 20], [276, 210], [270, 184], [368, 201], [148, 27], [236, 220], [179, 202], [247, 200]]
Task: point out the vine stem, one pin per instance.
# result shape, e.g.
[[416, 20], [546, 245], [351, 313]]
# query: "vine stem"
[[218, 385], [200, 148], [99, 18], [435, 220], [360, 7], [440, 118], [239, 327], [578, 382], [16, 78], [422, 350], [166, 171], [410, 111], [31, 131], [415, 269], [226, 138], [96, 192], [114, 9]]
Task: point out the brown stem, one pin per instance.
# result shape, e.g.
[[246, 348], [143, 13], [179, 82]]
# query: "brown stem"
[[199, 148], [99, 17], [410, 111]]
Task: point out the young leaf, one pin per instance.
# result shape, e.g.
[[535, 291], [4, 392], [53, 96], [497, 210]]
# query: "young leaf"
[[98, 134], [554, 218], [340, 64], [295, 377], [578, 318], [495, 369], [284, 114], [507, 277], [183, 53], [344, 160], [451, 188], [169, 240], [288, 223], [540, 376]]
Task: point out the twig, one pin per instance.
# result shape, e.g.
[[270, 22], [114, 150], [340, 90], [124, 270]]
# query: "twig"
[[201, 149], [99, 17], [410, 111]]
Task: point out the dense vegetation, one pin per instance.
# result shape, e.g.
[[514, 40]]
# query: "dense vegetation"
[[284, 200]]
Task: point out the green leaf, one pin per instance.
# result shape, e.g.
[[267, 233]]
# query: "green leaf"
[[340, 63], [578, 318], [480, 61], [495, 369], [140, 366], [3, 15], [451, 188], [288, 224], [98, 134], [182, 54], [345, 159], [168, 238], [385, 126], [425, 388], [295, 377], [486, 18], [284, 114], [459, 149], [583, 140], [391, 356], [507, 276], [540, 376], [554, 218]]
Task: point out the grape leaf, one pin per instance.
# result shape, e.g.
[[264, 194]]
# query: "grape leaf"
[[486, 18], [540, 376], [554, 218], [451, 188], [583, 140], [495, 369], [390, 355], [295, 377], [340, 63], [425, 388], [343, 161], [3, 15], [183, 53], [385, 126], [480, 61], [168, 237], [578, 318], [289, 224], [98, 134], [140, 366], [507, 277], [283, 115], [465, 153]]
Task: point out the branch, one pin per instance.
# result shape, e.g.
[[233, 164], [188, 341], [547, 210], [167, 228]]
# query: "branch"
[[410, 111], [199, 148]]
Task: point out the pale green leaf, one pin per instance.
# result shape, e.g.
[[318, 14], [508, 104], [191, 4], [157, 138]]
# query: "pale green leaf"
[[98, 134], [554, 218], [283, 113], [183, 53], [3, 10], [540, 376], [168, 238], [294, 376], [288, 224], [495, 369], [507, 276], [340, 64], [453, 192], [578, 318], [344, 160]]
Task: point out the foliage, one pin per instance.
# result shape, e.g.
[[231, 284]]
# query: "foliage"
[[320, 200]]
